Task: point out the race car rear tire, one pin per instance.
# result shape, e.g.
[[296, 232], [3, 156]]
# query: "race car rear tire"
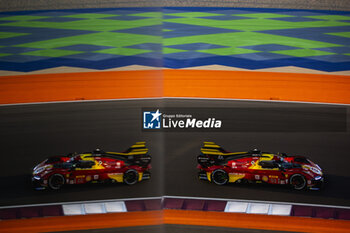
[[298, 182], [219, 177], [131, 177], [56, 181]]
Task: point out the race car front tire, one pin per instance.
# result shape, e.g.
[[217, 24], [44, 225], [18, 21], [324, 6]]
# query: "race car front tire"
[[56, 181], [131, 177], [298, 182], [219, 177]]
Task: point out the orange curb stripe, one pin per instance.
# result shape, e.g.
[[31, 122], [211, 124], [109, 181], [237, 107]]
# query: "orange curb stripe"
[[81, 222], [257, 85], [183, 217], [175, 83], [254, 221], [80, 86]]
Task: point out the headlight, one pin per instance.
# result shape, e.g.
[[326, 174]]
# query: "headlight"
[[318, 178], [315, 170], [36, 177], [38, 170]]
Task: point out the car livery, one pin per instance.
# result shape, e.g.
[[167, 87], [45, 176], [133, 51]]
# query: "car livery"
[[129, 167], [221, 167]]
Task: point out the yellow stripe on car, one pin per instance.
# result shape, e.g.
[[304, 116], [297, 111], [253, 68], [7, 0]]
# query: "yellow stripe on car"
[[209, 176], [140, 176], [116, 176], [233, 177]]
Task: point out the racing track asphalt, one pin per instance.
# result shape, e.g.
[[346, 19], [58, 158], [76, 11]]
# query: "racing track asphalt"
[[30, 133]]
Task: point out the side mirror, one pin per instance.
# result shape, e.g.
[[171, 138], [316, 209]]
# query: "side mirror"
[[74, 165], [281, 168]]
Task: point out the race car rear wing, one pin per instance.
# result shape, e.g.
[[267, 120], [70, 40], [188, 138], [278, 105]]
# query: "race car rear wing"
[[213, 154], [139, 148], [211, 148], [137, 154]]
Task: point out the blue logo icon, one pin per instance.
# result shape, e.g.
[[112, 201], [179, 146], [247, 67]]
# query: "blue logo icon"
[[151, 120]]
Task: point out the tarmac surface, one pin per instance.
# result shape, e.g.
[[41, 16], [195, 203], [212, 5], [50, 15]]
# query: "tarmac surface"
[[30, 133]]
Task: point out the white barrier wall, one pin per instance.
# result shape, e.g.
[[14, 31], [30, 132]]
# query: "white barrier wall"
[[94, 208], [258, 208]]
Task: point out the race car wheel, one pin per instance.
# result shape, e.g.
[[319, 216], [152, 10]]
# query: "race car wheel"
[[219, 177], [56, 181], [131, 177], [298, 181]]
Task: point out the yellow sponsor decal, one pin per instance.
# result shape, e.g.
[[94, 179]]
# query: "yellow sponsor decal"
[[140, 176], [255, 165], [116, 176], [81, 176], [265, 178], [233, 177], [209, 176], [96, 166]]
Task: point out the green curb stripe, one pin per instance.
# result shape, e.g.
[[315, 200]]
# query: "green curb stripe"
[[303, 52], [123, 51], [51, 53]]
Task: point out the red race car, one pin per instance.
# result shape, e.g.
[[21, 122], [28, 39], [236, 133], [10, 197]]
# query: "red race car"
[[129, 167], [221, 167]]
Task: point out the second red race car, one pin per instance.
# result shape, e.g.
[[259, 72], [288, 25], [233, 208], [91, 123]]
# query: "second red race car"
[[129, 167], [222, 167]]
